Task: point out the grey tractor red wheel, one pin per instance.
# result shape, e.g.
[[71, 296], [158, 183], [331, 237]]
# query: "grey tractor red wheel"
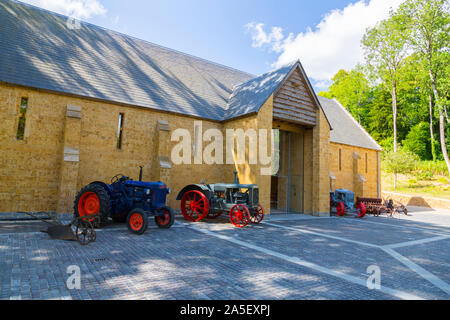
[[166, 221], [194, 206]]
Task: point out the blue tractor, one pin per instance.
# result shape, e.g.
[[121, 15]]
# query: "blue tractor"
[[126, 200], [343, 201]]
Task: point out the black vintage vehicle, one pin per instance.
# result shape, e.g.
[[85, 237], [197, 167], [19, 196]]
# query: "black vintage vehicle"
[[240, 201]]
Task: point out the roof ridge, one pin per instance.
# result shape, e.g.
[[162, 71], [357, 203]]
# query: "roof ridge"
[[132, 37]]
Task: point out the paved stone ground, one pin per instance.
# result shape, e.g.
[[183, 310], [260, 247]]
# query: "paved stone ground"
[[286, 257]]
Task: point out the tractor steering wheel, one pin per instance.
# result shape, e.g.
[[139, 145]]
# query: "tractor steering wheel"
[[117, 178]]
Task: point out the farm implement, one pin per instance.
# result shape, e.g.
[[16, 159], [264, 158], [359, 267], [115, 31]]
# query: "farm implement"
[[240, 201], [80, 229], [378, 206], [125, 200]]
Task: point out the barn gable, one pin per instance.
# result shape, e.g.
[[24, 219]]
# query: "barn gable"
[[294, 102], [294, 97]]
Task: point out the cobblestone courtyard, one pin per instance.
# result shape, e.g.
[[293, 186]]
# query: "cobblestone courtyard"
[[286, 257]]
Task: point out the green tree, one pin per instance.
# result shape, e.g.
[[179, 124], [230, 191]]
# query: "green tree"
[[399, 162], [429, 23], [351, 89], [418, 142], [385, 53]]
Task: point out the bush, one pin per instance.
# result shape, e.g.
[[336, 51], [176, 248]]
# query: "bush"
[[424, 175], [443, 180], [402, 161], [412, 182]]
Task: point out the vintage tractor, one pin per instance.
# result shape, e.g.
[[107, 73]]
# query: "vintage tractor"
[[199, 201], [126, 200], [344, 203]]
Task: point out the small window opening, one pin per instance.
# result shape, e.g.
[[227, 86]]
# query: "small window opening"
[[120, 131], [367, 169], [340, 159], [22, 119]]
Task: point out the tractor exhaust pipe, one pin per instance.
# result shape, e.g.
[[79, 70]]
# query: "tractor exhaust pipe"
[[140, 173], [236, 178]]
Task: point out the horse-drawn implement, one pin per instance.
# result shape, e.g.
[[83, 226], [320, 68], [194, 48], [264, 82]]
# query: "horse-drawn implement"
[[379, 206]]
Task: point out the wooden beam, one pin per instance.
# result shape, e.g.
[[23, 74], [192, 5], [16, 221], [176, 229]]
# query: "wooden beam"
[[295, 112], [293, 120], [296, 102]]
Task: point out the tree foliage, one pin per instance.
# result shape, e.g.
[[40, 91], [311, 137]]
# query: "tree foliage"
[[402, 161], [402, 92]]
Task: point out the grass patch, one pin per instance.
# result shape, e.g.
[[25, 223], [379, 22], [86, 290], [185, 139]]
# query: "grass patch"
[[418, 184]]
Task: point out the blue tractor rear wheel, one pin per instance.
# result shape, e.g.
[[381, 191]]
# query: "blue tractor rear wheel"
[[93, 200]]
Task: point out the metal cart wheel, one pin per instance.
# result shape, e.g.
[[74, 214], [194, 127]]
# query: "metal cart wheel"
[[84, 231]]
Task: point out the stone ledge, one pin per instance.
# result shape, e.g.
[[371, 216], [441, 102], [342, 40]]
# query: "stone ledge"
[[71, 155], [164, 162], [73, 112], [417, 200], [17, 216], [163, 125]]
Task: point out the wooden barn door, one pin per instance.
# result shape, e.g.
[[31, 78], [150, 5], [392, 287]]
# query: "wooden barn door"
[[287, 184]]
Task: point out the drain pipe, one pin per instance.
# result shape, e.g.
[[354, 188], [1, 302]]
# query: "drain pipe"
[[379, 175]]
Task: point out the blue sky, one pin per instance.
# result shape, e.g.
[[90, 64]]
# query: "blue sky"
[[250, 35]]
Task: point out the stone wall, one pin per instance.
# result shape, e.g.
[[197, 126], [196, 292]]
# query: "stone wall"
[[33, 174], [70, 142], [251, 173], [354, 174]]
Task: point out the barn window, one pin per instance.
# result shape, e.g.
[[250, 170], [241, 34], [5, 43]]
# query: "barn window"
[[22, 119], [367, 170], [120, 131], [340, 159]]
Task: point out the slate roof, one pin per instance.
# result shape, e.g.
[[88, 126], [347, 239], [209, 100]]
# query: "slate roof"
[[39, 50], [346, 130], [249, 96]]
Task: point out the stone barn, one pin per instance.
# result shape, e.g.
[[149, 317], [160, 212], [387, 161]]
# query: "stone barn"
[[80, 103]]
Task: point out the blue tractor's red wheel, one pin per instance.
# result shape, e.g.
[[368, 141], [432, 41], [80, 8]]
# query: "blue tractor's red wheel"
[[93, 203], [258, 215], [361, 209], [240, 216], [340, 209], [194, 206], [137, 221]]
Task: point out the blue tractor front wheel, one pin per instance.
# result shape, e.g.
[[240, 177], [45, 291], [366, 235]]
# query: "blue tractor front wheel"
[[137, 221]]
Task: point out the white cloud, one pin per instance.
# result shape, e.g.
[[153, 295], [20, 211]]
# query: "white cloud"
[[334, 44], [260, 37], [80, 9]]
